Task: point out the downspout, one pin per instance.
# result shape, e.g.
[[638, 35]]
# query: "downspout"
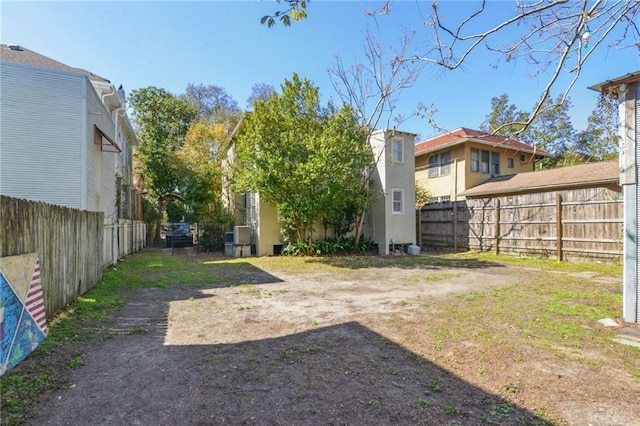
[[115, 249]]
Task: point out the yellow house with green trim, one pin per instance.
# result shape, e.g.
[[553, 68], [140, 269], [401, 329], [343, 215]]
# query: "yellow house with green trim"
[[448, 164]]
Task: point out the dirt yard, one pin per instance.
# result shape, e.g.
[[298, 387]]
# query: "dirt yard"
[[265, 347]]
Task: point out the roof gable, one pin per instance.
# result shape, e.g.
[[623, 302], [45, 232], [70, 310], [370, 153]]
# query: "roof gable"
[[21, 55], [463, 135]]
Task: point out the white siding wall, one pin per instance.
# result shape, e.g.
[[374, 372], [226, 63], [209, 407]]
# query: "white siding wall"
[[101, 165], [41, 132]]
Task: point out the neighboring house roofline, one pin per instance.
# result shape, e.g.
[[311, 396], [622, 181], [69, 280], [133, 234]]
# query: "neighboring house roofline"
[[22, 55], [584, 175], [463, 135], [631, 77], [393, 132], [16, 54]]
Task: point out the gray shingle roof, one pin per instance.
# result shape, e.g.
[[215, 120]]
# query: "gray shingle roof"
[[583, 175], [22, 55]]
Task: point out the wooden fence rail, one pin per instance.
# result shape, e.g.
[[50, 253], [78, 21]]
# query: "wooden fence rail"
[[580, 224], [69, 243]]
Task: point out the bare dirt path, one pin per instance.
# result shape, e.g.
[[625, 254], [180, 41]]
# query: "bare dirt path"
[[271, 348]]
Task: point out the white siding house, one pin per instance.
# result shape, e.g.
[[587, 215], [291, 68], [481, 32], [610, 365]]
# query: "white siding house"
[[66, 140]]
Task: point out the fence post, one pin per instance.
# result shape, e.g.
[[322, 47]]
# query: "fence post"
[[496, 227], [455, 226], [559, 227]]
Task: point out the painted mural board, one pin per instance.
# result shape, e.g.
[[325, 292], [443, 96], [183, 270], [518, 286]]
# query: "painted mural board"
[[23, 319]]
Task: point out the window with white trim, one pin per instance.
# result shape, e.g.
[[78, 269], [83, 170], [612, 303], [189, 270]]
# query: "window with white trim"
[[397, 150], [397, 200]]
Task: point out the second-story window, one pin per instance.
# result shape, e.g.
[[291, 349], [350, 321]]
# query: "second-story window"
[[440, 164], [485, 161], [397, 150], [495, 164]]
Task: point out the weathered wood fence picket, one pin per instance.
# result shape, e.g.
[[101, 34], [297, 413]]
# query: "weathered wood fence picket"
[[581, 224], [69, 243]]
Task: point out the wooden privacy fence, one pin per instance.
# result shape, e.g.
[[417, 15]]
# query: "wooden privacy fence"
[[69, 243], [580, 224]]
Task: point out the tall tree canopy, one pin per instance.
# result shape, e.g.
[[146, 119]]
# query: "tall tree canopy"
[[502, 116], [600, 140], [302, 157], [260, 92], [553, 131], [213, 104], [200, 155], [162, 121]]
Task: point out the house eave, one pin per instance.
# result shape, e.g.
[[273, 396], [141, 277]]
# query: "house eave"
[[532, 150], [538, 188], [631, 77]]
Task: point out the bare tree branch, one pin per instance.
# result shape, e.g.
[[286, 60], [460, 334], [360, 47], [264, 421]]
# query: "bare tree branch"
[[555, 42]]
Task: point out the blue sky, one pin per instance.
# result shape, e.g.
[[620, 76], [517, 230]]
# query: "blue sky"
[[171, 44]]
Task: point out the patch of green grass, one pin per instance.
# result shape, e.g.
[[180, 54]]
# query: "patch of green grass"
[[75, 362], [542, 263], [435, 385], [439, 276], [450, 409], [635, 372], [19, 392], [373, 402]]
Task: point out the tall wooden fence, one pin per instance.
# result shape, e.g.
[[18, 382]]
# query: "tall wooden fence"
[[68, 242], [581, 224]]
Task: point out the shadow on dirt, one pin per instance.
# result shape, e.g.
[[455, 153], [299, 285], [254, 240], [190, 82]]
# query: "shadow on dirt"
[[334, 375]]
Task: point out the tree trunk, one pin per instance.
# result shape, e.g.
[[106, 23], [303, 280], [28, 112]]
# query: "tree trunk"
[[162, 202], [358, 230]]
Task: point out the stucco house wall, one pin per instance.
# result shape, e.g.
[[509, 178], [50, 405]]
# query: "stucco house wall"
[[514, 157], [386, 225]]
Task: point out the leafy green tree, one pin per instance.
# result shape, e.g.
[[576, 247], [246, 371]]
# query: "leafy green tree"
[[344, 143], [162, 120], [599, 141], [502, 117], [423, 196], [213, 104], [552, 131], [200, 155], [301, 157], [295, 10]]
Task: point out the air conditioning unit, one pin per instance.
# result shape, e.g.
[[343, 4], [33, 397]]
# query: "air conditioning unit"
[[242, 235]]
